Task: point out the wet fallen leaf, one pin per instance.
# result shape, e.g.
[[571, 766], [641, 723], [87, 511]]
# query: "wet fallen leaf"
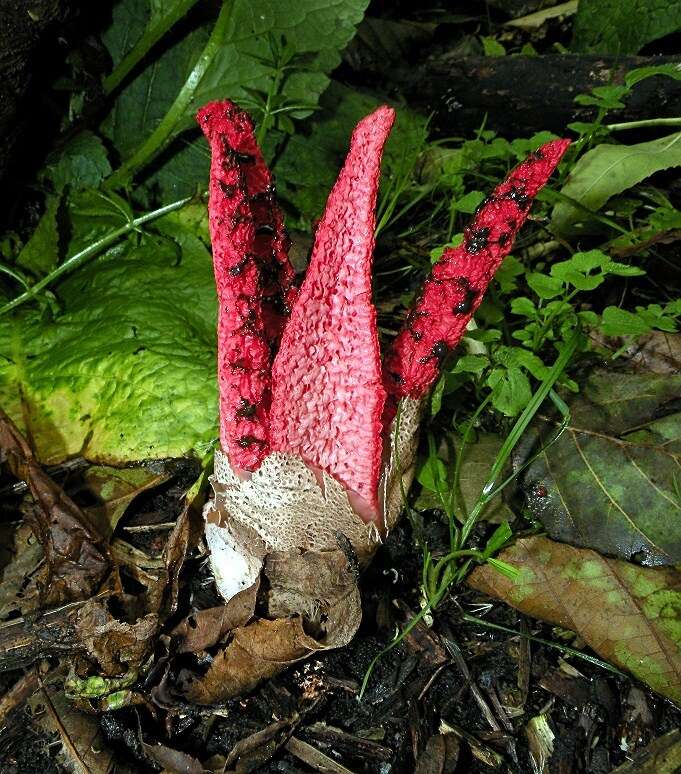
[[661, 756], [254, 750], [173, 761], [312, 603], [18, 590], [119, 643], [629, 615], [76, 559], [610, 482], [440, 756], [656, 352], [117, 646], [117, 488]]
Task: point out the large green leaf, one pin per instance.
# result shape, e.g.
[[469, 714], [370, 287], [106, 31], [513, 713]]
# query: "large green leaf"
[[623, 26], [127, 371], [610, 169], [316, 29], [612, 480], [629, 615]]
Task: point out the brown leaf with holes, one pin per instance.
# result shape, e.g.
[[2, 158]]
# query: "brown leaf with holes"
[[629, 615], [117, 646], [76, 558], [205, 628]]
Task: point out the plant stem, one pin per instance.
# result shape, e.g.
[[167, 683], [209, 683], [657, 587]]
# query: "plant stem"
[[163, 133], [152, 34], [91, 250], [516, 433], [564, 648], [673, 121]]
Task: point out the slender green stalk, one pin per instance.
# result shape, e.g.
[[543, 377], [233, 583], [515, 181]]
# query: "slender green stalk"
[[516, 433], [563, 648], [152, 34], [163, 133], [90, 251], [644, 123]]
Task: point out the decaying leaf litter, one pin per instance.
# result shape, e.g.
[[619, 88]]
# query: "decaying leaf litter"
[[114, 642]]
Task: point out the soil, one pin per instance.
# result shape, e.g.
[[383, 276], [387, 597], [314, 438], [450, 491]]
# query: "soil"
[[424, 685]]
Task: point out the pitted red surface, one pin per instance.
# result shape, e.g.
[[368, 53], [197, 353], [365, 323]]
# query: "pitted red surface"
[[328, 396], [457, 283], [253, 276]]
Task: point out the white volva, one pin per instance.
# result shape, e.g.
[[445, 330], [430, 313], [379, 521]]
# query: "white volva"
[[283, 506]]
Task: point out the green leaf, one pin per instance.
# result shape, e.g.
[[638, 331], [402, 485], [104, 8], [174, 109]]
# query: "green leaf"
[[544, 286], [469, 203], [83, 163], [127, 371], [315, 29], [492, 47], [623, 269], [608, 483], [607, 170], [506, 274], [433, 475], [671, 70], [621, 26], [524, 307], [470, 364], [629, 615], [41, 253], [620, 322], [501, 535], [510, 390]]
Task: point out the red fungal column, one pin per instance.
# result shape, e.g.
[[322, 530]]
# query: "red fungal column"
[[328, 396], [458, 281], [253, 276]]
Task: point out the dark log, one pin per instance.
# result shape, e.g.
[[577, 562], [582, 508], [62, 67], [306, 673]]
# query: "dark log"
[[521, 95]]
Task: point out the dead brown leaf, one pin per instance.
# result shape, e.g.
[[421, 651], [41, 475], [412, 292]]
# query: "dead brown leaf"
[[440, 756], [629, 615], [656, 352], [661, 756], [205, 628], [254, 750], [83, 749], [117, 646], [173, 761], [76, 558], [312, 603]]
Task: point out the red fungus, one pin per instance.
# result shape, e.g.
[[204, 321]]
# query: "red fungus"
[[328, 396], [253, 276], [457, 283]]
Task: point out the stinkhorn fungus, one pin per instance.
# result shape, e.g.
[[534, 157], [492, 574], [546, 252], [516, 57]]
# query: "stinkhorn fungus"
[[310, 455]]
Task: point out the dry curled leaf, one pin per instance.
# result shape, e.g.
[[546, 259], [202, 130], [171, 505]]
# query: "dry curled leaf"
[[629, 615], [312, 603], [76, 559], [205, 628]]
